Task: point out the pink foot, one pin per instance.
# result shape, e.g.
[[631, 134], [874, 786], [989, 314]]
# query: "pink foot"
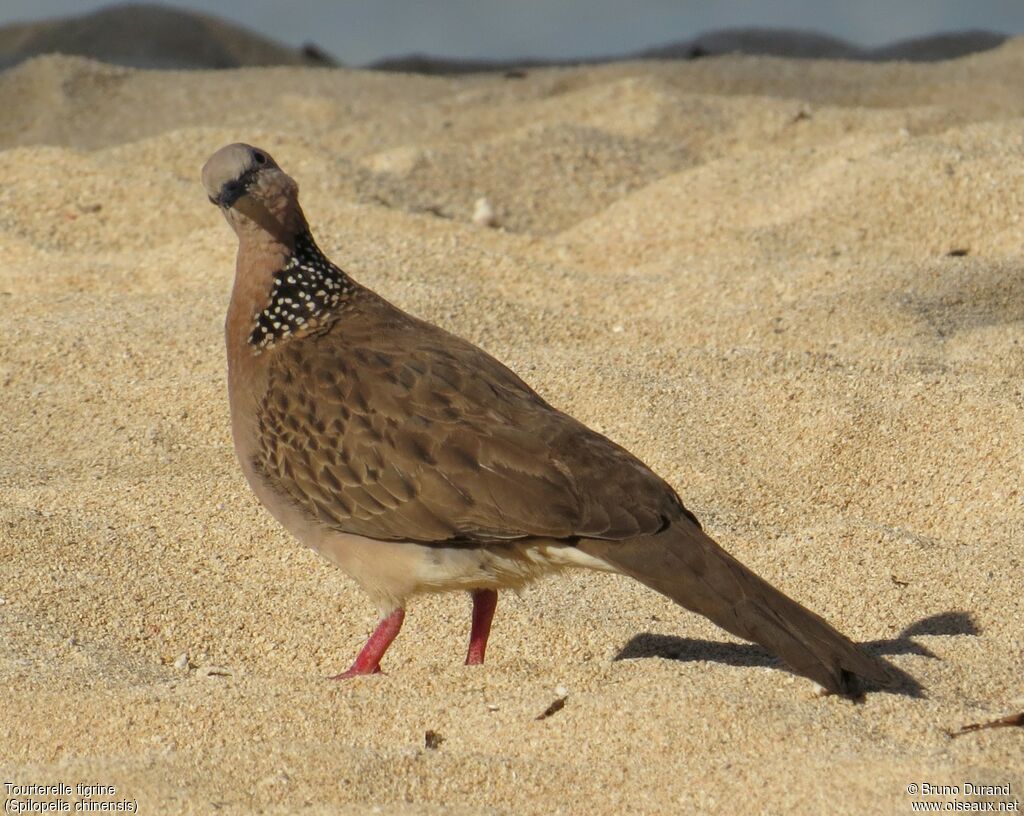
[[368, 660], [484, 602]]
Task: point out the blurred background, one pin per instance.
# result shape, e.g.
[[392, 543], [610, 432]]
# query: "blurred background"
[[477, 34]]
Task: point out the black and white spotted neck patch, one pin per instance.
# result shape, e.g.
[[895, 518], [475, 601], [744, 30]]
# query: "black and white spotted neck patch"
[[304, 292]]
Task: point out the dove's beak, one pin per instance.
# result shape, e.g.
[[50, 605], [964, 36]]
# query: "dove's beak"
[[231, 192]]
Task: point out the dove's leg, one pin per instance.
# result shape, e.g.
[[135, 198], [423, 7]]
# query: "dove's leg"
[[368, 661], [484, 601]]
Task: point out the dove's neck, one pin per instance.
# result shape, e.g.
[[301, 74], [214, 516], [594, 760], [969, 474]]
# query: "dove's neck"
[[301, 291]]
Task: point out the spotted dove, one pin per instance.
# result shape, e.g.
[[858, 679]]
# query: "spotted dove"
[[418, 463]]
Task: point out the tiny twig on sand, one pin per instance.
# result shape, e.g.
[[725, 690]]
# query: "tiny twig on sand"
[[554, 708], [1009, 721]]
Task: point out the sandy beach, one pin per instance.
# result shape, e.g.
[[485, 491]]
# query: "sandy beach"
[[794, 288]]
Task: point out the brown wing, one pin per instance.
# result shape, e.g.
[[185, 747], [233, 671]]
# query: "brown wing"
[[388, 427]]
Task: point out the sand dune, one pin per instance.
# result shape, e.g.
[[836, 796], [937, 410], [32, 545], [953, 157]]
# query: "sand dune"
[[772, 42], [148, 35], [812, 45], [794, 288]]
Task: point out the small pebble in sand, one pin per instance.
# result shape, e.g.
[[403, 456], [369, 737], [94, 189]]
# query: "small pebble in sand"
[[181, 661], [432, 740], [483, 213]]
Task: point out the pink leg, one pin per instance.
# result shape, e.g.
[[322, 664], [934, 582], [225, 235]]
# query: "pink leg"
[[484, 601], [368, 661]]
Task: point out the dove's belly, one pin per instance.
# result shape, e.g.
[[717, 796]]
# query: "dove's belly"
[[392, 571]]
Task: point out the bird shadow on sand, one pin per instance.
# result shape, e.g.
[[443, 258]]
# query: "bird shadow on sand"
[[749, 654]]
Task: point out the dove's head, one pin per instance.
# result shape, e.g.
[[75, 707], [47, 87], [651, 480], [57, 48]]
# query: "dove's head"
[[254, 194]]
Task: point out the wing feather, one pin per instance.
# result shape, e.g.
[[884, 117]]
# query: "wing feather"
[[388, 427]]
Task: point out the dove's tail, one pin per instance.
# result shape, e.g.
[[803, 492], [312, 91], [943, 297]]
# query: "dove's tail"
[[685, 564]]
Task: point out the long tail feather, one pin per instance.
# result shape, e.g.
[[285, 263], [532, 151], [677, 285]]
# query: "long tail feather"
[[685, 564]]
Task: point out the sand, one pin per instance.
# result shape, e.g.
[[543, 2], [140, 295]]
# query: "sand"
[[794, 288]]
